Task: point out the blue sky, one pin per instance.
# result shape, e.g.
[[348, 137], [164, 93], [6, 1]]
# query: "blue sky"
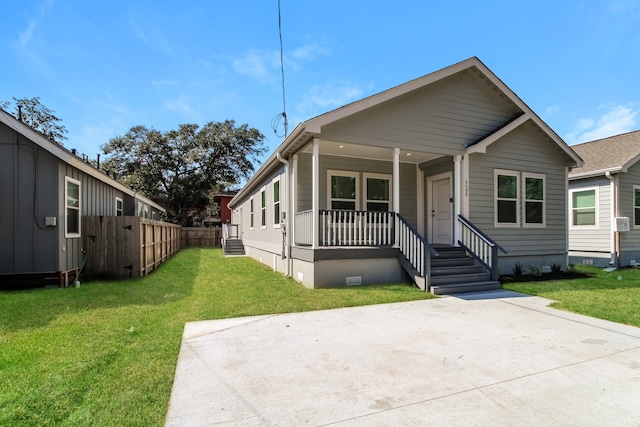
[[105, 66]]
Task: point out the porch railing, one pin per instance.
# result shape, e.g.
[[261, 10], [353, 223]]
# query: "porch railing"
[[345, 228], [415, 249], [356, 228], [480, 246], [230, 231], [303, 228]]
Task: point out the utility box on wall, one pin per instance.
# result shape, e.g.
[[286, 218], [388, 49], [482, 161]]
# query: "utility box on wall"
[[622, 224]]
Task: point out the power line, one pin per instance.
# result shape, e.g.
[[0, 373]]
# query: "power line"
[[282, 116]]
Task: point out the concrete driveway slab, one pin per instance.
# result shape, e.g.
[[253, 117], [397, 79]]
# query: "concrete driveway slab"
[[495, 358]]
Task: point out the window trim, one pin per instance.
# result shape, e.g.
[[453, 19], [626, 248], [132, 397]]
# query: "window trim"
[[263, 208], [121, 209], [504, 172], [276, 216], [543, 177], [636, 187], [352, 174], [366, 201], [68, 235], [251, 213], [595, 226]]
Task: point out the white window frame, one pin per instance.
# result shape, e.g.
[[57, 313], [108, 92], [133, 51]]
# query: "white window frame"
[[276, 215], [351, 174], [120, 208], [251, 214], [636, 187], [365, 200], [504, 172], [68, 180], [263, 208], [153, 214], [597, 208], [526, 175]]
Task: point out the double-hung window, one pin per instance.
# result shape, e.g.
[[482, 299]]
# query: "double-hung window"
[[343, 190], [72, 207], [263, 208], [533, 192], [520, 198], [251, 213], [377, 192], [507, 206], [119, 206], [276, 203], [583, 208], [636, 205]]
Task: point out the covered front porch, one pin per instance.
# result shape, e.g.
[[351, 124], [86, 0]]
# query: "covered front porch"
[[355, 202]]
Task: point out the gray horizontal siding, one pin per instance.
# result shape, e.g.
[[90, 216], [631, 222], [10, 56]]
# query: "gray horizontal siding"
[[271, 234], [408, 181], [439, 118], [630, 240], [592, 239], [523, 150]]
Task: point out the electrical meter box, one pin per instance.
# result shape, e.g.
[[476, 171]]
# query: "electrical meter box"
[[622, 224]]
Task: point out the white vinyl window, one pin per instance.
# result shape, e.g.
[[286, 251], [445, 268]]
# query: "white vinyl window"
[[584, 208], [72, 214], [377, 192], [342, 190], [507, 206], [119, 206], [251, 213], [263, 208], [143, 210], [533, 204], [276, 204], [636, 206]]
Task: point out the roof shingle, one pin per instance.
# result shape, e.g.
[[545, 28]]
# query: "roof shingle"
[[614, 153]]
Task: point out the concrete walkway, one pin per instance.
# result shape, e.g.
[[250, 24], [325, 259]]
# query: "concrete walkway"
[[496, 358]]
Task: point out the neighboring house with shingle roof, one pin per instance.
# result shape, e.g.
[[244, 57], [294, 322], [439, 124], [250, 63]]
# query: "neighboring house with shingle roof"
[[604, 202]]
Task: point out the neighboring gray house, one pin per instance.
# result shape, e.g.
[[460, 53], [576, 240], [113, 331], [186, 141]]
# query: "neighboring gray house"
[[434, 177], [47, 190], [604, 202]]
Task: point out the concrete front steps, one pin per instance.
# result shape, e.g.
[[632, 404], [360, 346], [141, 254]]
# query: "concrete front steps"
[[233, 247], [452, 272]]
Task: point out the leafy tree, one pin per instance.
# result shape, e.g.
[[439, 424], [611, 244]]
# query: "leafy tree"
[[38, 117], [179, 167]]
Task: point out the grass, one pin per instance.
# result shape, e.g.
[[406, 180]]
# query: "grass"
[[105, 353], [611, 296]]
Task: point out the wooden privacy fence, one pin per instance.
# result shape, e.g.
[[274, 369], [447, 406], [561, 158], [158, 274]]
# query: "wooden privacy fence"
[[201, 236], [127, 246]]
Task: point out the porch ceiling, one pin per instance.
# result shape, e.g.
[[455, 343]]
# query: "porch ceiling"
[[370, 152]]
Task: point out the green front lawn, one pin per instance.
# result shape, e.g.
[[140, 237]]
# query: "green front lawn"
[[105, 353], [612, 295]]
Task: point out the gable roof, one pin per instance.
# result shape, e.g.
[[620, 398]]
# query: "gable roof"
[[311, 128], [613, 154], [68, 157]]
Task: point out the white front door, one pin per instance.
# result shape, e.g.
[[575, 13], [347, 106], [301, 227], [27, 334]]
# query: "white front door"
[[441, 209]]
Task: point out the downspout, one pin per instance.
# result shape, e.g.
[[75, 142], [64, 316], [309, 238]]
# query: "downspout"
[[614, 238], [286, 241]]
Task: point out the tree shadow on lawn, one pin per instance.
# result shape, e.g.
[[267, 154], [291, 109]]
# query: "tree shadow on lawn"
[[171, 281]]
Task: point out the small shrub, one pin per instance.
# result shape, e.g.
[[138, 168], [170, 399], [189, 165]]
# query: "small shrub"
[[536, 270], [556, 268], [571, 268], [518, 270]]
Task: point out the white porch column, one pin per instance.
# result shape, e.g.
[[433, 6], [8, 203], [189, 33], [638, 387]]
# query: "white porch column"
[[293, 198], [457, 197], [396, 190], [315, 191], [420, 199]]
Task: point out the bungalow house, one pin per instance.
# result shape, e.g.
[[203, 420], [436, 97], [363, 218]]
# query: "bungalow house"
[[439, 178], [604, 202], [48, 189]]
